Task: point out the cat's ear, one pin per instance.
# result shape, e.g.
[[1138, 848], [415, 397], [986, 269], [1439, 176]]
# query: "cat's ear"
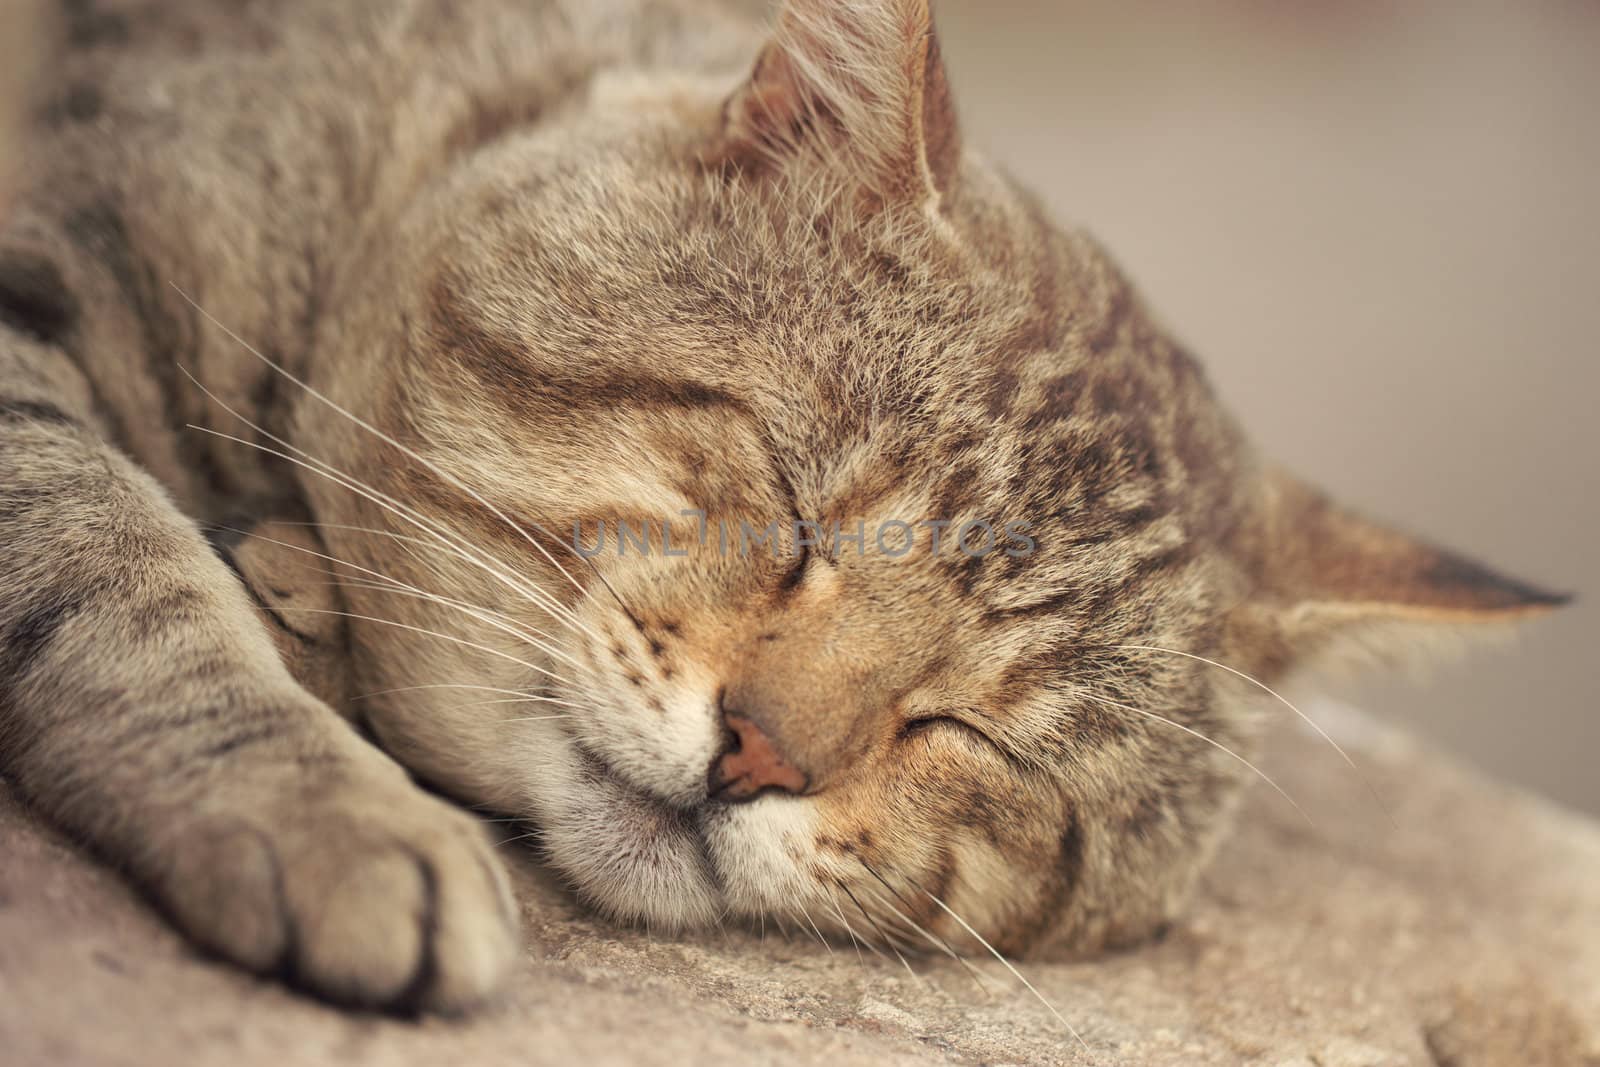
[[1332, 580], [858, 82]]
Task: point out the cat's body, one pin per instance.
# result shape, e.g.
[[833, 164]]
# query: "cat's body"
[[535, 266]]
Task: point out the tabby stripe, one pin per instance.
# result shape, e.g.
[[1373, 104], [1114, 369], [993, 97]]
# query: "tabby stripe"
[[241, 738], [150, 724], [1052, 605], [99, 231], [1069, 872], [90, 28], [1070, 859], [25, 642], [288, 965], [34, 411], [505, 370], [34, 300], [645, 391]]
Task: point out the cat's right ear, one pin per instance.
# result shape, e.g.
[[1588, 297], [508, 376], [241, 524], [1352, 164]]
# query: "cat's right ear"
[[1335, 582], [858, 84]]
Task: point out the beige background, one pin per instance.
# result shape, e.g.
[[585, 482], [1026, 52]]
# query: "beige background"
[[1378, 225]]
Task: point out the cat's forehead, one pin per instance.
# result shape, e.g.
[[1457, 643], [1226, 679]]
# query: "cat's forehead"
[[846, 315], [792, 281], [982, 357]]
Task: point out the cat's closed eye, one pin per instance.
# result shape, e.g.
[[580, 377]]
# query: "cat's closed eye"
[[920, 727], [797, 572]]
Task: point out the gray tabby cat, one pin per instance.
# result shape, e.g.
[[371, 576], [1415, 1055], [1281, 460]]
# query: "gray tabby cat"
[[465, 284]]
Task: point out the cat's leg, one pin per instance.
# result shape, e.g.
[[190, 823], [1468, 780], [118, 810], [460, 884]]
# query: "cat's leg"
[[144, 709]]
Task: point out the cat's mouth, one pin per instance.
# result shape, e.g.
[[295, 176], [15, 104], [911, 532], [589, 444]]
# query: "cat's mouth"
[[597, 767], [642, 857], [672, 821], [627, 851]]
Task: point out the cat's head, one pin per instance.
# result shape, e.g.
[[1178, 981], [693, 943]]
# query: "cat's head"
[[808, 301]]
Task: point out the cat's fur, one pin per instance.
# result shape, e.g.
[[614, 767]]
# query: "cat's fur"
[[574, 260]]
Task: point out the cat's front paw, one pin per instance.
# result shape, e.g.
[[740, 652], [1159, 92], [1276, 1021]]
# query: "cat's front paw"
[[371, 894]]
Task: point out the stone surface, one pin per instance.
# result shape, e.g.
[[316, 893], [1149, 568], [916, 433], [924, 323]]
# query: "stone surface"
[[1465, 933]]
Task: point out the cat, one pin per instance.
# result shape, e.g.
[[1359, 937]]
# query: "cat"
[[624, 416]]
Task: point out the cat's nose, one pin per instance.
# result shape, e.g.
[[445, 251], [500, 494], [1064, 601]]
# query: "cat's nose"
[[751, 764]]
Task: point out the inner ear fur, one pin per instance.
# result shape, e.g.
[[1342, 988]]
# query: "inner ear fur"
[[858, 83]]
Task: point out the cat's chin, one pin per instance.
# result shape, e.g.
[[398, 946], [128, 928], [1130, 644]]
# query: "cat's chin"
[[627, 854], [637, 858]]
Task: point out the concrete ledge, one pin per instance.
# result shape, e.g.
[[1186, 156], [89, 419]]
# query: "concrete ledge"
[[1465, 935]]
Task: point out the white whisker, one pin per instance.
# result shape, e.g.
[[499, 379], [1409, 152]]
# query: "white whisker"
[[384, 437], [932, 938], [434, 633], [1008, 966], [442, 685], [1275, 695], [447, 539], [888, 943], [1214, 743], [814, 927], [514, 840], [456, 544], [531, 699], [489, 617], [834, 903], [401, 588], [413, 541]]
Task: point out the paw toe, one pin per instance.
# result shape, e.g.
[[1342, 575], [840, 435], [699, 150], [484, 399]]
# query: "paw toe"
[[224, 887], [382, 902]]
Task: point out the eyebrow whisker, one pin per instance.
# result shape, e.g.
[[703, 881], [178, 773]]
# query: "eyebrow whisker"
[[433, 633]]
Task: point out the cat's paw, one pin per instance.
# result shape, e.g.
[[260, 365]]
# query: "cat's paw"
[[375, 895]]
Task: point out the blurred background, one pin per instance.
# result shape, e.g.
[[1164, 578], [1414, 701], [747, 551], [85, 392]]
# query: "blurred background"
[[1378, 225], [18, 45]]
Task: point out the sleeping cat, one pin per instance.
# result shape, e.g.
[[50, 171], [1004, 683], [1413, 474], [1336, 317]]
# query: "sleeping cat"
[[624, 418]]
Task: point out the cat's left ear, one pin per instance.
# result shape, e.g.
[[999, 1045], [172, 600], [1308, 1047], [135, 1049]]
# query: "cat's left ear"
[[859, 83], [1330, 579]]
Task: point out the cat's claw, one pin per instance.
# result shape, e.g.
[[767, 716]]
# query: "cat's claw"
[[375, 895]]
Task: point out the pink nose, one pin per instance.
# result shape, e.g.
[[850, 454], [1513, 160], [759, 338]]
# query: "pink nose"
[[751, 764]]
